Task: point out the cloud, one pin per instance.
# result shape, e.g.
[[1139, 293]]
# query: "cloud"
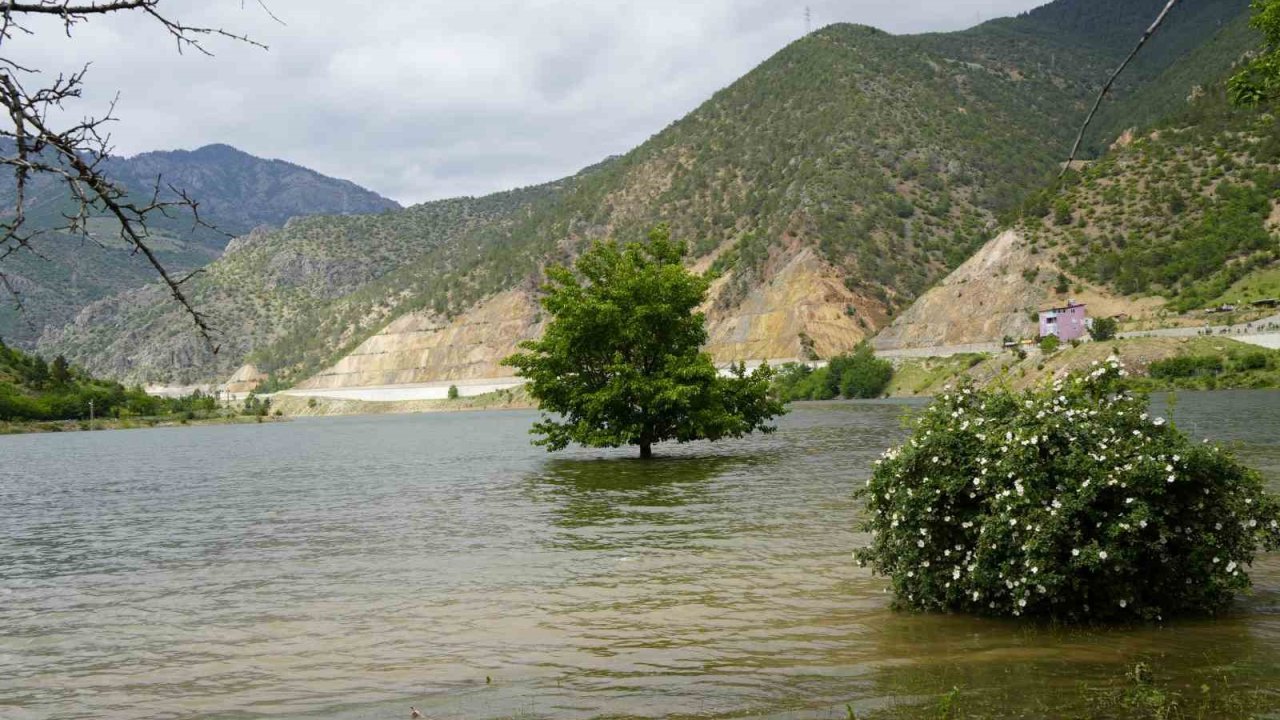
[[425, 99]]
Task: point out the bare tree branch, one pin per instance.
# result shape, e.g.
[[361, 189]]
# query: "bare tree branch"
[[72, 158], [1075, 149]]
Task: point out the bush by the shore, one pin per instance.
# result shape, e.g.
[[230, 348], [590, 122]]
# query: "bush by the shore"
[[859, 374], [1068, 502]]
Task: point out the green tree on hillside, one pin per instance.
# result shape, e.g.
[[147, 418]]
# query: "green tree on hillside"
[[60, 371], [621, 361], [1103, 328], [1259, 80]]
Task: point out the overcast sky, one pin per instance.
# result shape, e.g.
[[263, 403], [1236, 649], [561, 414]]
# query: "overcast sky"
[[425, 99]]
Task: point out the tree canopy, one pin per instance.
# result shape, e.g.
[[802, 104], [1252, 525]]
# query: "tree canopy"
[[1259, 80], [621, 362]]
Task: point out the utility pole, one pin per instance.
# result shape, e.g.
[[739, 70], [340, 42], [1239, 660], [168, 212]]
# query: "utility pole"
[[808, 19], [90, 414]]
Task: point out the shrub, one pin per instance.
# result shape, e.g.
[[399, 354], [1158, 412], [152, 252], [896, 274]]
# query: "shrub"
[[1067, 502], [860, 374], [453, 392], [852, 375], [797, 381], [1049, 344], [1185, 366], [1252, 361], [1103, 329]]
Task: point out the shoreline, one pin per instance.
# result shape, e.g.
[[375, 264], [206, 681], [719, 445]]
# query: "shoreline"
[[44, 427]]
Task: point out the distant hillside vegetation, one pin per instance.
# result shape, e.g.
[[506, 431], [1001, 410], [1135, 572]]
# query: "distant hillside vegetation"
[[236, 192], [886, 158], [1186, 212], [33, 390]]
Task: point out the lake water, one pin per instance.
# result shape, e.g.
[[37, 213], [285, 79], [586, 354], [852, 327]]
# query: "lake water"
[[348, 568]]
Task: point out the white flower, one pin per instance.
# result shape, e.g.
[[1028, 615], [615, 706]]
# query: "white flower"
[[1075, 552], [1231, 566], [1128, 501], [1124, 603], [1022, 602], [1102, 555], [1216, 561], [976, 595], [1158, 421], [920, 543]]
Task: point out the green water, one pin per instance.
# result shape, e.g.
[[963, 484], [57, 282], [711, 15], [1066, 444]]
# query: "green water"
[[348, 568]]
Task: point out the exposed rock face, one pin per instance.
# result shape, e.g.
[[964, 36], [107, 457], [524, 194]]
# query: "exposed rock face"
[[993, 294], [983, 300], [422, 347], [246, 379], [805, 296]]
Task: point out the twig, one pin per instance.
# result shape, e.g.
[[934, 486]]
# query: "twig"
[[74, 157]]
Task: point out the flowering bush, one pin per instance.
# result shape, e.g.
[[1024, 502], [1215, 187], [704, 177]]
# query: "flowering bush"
[[1068, 502]]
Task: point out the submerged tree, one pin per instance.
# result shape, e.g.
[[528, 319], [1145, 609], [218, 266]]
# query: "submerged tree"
[[621, 360]]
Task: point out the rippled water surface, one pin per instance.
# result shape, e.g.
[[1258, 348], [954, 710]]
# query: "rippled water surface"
[[347, 568]]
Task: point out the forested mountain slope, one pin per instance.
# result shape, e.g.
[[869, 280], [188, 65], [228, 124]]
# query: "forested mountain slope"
[[827, 189], [1181, 217], [236, 192], [1183, 212]]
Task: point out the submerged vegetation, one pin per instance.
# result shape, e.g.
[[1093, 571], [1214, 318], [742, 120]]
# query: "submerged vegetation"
[[621, 362], [1067, 501]]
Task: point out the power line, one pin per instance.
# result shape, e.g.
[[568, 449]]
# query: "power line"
[[1075, 149]]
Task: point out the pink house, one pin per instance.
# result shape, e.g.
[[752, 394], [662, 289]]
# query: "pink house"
[[1068, 323]]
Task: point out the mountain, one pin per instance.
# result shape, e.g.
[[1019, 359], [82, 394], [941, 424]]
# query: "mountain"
[[237, 192], [1182, 216], [826, 190]]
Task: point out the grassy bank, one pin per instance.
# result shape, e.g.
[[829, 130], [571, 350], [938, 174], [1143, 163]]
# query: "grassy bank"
[[1142, 692], [1207, 363], [136, 423]]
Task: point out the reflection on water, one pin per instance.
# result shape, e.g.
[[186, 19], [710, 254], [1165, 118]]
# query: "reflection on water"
[[610, 504], [348, 568]]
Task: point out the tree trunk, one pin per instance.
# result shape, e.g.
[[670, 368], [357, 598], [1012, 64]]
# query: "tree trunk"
[[646, 449]]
